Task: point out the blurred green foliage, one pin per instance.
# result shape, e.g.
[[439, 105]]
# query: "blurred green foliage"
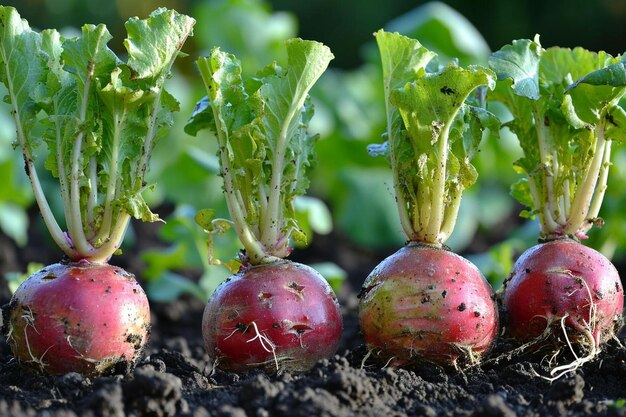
[[347, 25], [349, 184]]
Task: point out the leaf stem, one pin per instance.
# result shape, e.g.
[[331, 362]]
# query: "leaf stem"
[[93, 195], [44, 208], [51, 223], [271, 220], [431, 234], [582, 199], [602, 183], [60, 165], [408, 227], [254, 249], [152, 125], [567, 201], [111, 190], [547, 224], [75, 220], [451, 213], [547, 202], [148, 140], [423, 209], [560, 202], [104, 252]]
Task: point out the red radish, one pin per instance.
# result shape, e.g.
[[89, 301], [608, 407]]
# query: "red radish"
[[79, 318], [563, 283], [273, 314], [283, 315], [425, 303], [93, 120], [566, 115], [428, 303]]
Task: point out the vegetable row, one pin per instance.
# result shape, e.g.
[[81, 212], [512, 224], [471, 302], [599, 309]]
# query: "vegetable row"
[[92, 119]]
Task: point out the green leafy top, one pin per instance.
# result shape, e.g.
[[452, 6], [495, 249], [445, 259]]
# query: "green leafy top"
[[565, 111], [433, 132], [94, 117], [264, 147]]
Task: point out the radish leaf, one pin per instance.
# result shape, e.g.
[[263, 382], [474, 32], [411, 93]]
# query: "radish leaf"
[[433, 131], [98, 117], [265, 150], [565, 119]]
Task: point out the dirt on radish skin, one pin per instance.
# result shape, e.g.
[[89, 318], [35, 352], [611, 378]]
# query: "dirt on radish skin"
[[85, 318], [282, 316], [564, 281], [427, 304]]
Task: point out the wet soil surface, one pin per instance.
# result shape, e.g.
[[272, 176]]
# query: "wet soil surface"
[[176, 378]]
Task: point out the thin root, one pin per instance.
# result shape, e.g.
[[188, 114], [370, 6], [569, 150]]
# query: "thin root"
[[388, 362], [365, 358], [562, 370], [266, 344], [587, 330], [30, 321], [467, 353]]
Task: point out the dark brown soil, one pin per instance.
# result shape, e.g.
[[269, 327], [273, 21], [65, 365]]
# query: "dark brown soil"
[[176, 378]]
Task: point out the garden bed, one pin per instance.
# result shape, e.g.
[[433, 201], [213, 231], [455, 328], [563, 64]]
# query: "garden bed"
[[175, 376]]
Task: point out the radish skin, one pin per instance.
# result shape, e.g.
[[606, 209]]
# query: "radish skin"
[[564, 280], [78, 317], [281, 316], [427, 304]]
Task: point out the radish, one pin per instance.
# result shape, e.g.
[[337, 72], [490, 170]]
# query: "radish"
[[562, 282], [425, 303], [273, 314], [79, 318], [565, 111], [286, 308], [92, 120]]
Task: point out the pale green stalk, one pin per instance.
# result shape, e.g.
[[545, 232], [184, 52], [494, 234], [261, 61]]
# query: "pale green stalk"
[[46, 213], [422, 210], [451, 213], [104, 252], [93, 196], [254, 248], [75, 221], [272, 219], [601, 187], [61, 167], [149, 139], [567, 204], [407, 226], [105, 227], [582, 200], [547, 171], [433, 230]]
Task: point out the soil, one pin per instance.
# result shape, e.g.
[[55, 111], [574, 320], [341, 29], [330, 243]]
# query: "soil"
[[175, 377]]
